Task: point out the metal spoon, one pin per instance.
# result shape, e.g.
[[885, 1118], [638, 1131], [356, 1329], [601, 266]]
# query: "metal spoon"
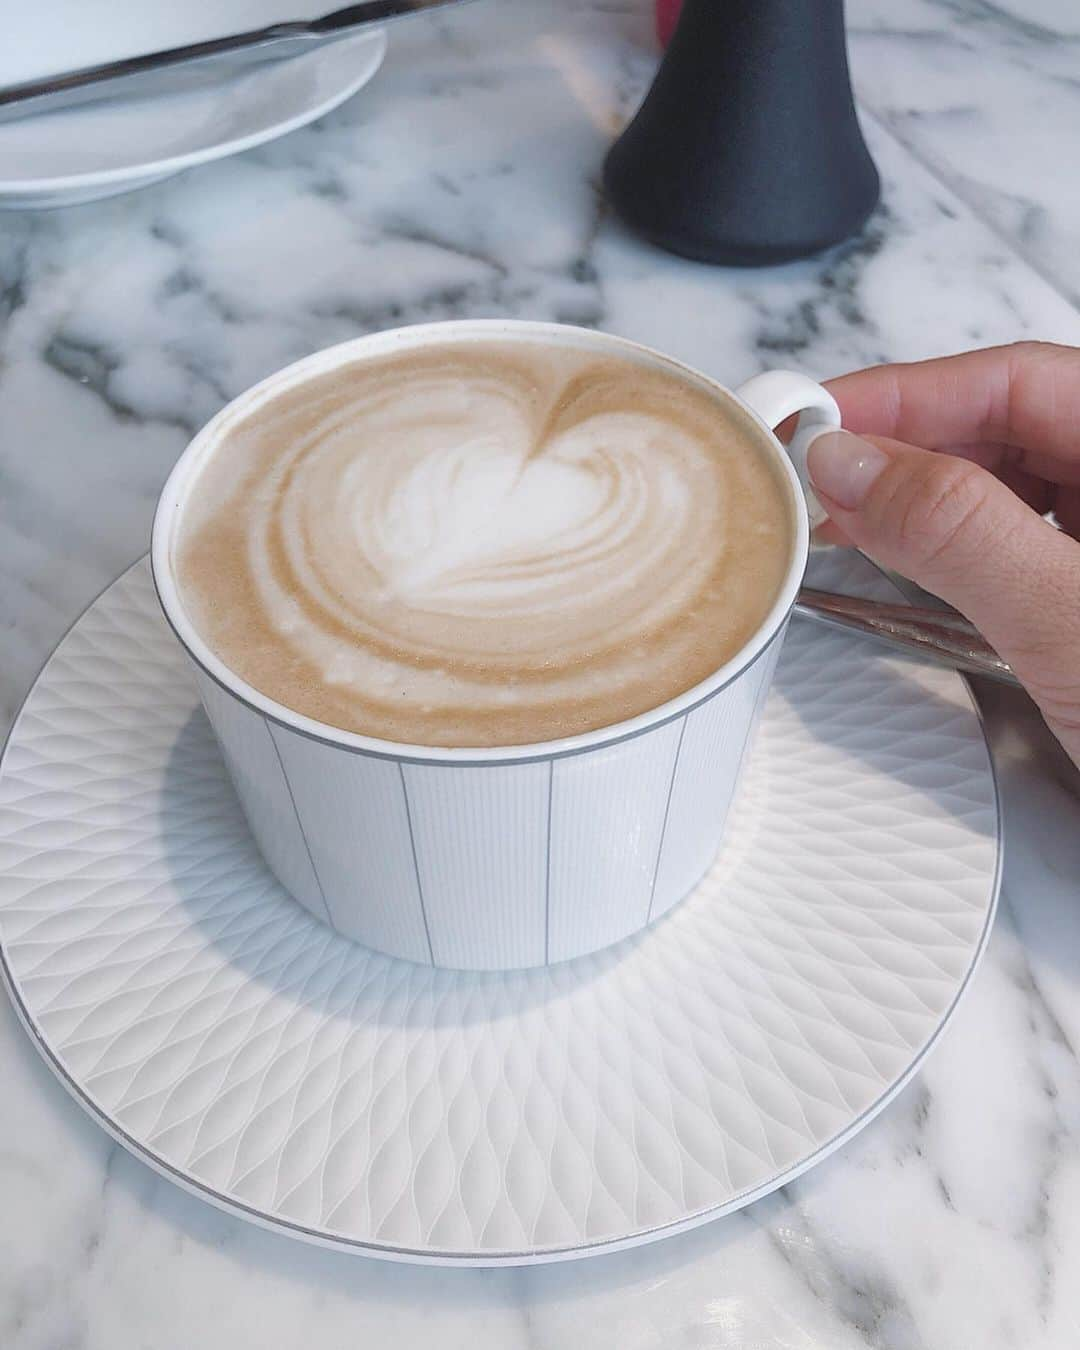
[[940, 635]]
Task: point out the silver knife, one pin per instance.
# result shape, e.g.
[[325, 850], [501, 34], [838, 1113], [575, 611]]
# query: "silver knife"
[[183, 67]]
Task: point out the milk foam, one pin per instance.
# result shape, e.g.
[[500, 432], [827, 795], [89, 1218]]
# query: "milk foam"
[[483, 545]]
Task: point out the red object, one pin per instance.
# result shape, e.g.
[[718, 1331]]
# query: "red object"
[[667, 16]]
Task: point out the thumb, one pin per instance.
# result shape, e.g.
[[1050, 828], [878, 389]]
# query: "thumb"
[[960, 533]]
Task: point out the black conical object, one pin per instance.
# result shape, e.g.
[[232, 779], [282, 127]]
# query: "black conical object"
[[747, 149]]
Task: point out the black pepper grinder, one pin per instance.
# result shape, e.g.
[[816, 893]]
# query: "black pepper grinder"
[[747, 149]]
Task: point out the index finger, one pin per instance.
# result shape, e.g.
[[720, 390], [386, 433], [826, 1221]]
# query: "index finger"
[[1025, 395]]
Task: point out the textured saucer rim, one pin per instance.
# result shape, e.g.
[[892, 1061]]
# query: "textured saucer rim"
[[510, 1257], [144, 174], [433, 1256]]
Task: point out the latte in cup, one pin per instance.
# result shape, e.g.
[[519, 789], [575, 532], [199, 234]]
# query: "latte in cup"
[[485, 542]]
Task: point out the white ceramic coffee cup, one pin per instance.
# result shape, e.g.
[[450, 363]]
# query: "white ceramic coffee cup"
[[494, 858]]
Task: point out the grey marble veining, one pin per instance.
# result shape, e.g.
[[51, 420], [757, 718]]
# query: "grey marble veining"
[[987, 97], [463, 181]]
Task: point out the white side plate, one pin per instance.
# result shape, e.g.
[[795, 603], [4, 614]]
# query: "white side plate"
[[276, 1069], [62, 158]]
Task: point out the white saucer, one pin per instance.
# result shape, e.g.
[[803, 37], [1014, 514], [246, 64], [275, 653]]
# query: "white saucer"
[[274, 1068], [63, 158]]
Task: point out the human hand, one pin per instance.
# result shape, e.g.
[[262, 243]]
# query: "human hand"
[[967, 524]]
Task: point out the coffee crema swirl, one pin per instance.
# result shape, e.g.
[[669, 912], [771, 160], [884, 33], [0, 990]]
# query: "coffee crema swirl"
[[481, 544]]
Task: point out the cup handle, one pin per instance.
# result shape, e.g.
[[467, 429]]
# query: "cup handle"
[[776, 396]]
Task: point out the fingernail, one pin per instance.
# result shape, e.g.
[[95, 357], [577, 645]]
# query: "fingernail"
[[843, 467]]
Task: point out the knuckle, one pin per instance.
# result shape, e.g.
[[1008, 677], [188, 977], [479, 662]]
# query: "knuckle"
[[1032, 366], [938, 517], [1027, 348]]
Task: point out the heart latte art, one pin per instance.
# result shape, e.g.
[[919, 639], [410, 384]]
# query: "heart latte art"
[[480, 544]]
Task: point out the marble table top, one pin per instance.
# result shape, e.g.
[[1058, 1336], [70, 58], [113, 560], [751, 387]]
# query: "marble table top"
[[464, 182]]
